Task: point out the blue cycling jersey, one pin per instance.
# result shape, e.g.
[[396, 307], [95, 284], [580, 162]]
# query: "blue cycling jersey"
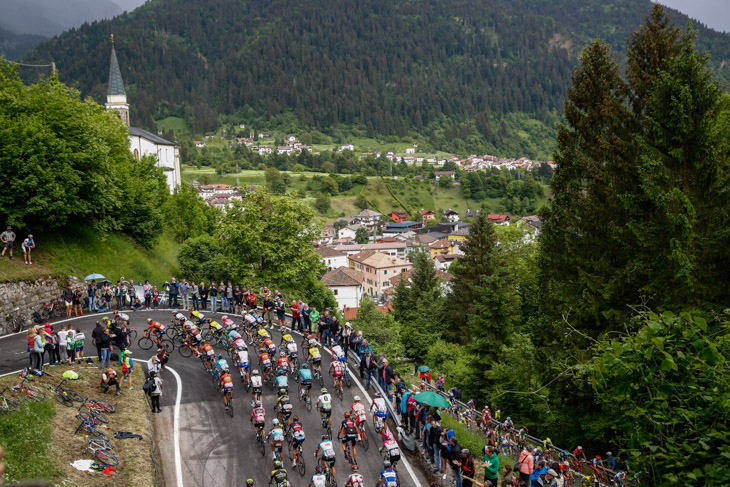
[[282, 380], [305, 374], [389, 476]]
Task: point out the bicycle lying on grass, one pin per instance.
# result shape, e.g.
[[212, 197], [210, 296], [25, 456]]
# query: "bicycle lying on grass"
[[99, 448]]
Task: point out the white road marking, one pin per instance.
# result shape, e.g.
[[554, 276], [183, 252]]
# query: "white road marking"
[[55, 322]]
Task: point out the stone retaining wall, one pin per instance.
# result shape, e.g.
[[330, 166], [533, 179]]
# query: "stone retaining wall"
[[29, 296]]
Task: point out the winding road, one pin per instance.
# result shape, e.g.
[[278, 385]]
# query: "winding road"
[[216, 450]]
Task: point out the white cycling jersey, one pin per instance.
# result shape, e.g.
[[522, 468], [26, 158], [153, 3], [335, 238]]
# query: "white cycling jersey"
[[327, 449], [256, 381], [242, 357], [355, 480], [324, 402], [319, 480], [291, 348]]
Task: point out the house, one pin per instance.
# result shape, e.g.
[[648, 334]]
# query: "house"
[[345, 147], [441, 247], [210, 135], [427, 215], [442, 277], [472, 213], [443, 261], [350, 314], [410, 150], [441, 174], [498, 219], [368, 218], [451, 215], [291, 139], [425, 239], [378, 268], [348, 232], [401, 227], [200, 144], [409, 159], [397, 248], [398, 216], [332, 257], [346, 284], [533, 226], [459, 235]]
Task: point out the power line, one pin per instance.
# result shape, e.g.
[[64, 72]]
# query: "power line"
[[52, 65]]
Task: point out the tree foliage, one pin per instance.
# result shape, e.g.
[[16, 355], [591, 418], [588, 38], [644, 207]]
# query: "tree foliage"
[[187, 215], [361, 235]]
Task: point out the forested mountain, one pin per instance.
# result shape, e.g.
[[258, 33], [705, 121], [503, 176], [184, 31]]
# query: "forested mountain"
[[449, 70]]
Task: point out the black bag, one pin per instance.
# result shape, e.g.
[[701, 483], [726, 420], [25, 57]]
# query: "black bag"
[[114, 357], [149, 386], [37, 317]]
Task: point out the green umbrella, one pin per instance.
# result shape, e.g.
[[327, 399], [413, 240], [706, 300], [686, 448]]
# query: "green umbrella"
[[432, 399], [424, 368]]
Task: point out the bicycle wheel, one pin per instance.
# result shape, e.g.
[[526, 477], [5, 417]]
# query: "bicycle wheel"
[[364, 439], [168, 345], [333, 480], [99, 443], [99, 416], [308, 403], [262, 443], [64, 398], [73, 395], [145, 343], [106, 458], [36, 393], [96, 432], [321, 379], [185, 351], [103, 406], [230, 406], [340, 392], [300, 463], [9, 404], [348, 381]]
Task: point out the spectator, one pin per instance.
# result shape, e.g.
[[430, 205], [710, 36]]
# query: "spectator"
[[79, 342], [509, 478], [8, 239], [125, 359], [101, 305], [107, 292], [119, 295], [357, 343], [491, 465], [97, 335], [105, 342], [238, 300], [183, 289], [336, 329], [131, 292], [549, 478], [39, 347], [346, 335], [47, 335], [213, 292], [269, 311], [388, 378], [224, 297], [27, 245], [91, 292], [137, 305], [30, 338], [71, 346], [467, 467], [203, 289], [527, 465], [109, 378], [174, 290], [68, 298], [163, 356], [62, 334], [368, 368], [325, 323], [156, 392], [296, 318], [540, 469], [314, 322], [455, 459], [229, 297], [306, 316], [153, 365], [195, 295], [147, 290], [280, 309], [77, 302], [155, 298], [434, 439], [121, 336]]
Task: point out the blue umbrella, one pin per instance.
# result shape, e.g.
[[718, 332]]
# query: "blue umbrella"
[[94, 277]]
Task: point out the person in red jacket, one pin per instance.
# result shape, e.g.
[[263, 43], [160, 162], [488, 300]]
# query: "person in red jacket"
[[296, 318], [527, 465]]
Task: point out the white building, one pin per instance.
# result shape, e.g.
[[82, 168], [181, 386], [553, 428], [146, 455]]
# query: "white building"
[[345, 147], [348, 231], [367, 218], [332, 258], [346, 284], [141, 142]]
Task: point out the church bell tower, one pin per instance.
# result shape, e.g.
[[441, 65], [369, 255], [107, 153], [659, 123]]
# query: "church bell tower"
[[116, 97]]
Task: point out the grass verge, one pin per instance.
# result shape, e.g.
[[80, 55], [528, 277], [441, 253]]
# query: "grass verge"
[[49, 444]]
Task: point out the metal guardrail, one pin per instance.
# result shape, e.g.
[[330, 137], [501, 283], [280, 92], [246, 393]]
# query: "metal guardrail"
[[391, 410]]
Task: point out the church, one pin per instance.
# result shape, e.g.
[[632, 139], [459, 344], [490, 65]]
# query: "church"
[[142, 142]]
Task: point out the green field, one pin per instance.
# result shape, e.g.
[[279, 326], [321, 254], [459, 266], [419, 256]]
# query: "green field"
[[175, 124], [80, 251]]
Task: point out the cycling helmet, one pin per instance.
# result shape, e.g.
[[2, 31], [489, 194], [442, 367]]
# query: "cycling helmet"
[[377, 394], [357, 398], [566, 463], [255, 371], [324, 390], [305, 365], [579, 448], [386, 463], [224, 317], [325, 437], [174, 312], [115, 312], [249, 482], [280, 372], [347, 414], [30, 235], [355, 468], [609, 454], [509, 419], [220, 356], [389, 435], [257, 403], [317, 470], [295, 418], [149, 320], [277, 464], [275, 422], [282, 392], [598, 457]]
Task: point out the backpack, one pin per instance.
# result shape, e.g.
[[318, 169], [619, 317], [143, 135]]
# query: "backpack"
[[70, 374], [37, 317], [149, 386], [115, 357]]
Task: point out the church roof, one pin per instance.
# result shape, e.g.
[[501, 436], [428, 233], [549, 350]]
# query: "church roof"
[[149, 136], [116, 85]]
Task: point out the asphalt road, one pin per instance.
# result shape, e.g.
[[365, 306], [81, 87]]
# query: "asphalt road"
[[218, 450]]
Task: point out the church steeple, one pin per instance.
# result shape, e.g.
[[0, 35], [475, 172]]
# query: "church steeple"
[[116, 97]]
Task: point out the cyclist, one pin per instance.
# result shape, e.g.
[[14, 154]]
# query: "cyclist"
[[221, 365], [318, 479], [285, 338], [338, 353], [328, 454], [486, 415], [348, 434], [279, 475], [243, 363], [380, 407], [523, 436], [307, 340], [158, 328], [192, 336], [262, 333], [282, 382], [265, 362], [498, 414], [269, 346], [324, 404], [284, 407], [359, 415], [579, 454], [249, 483], [225, 383], [315, 358], [547, 445], [179, 317], [305, 380], [258, 417], [276, 437], [107, 322], [209, 353], [390, 447], [197, 315], [336, 370], [297, 436], [233, 335], [388, 477], [215, 327], [355, 479], [257, 386], [119, 317], [282, 365], [228, 324]]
